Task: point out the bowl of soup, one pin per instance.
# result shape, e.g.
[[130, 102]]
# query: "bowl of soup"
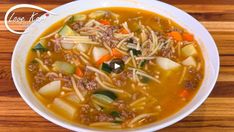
[[115, 65]]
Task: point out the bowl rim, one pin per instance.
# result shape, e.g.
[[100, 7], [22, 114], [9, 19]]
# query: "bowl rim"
[[150, 128]]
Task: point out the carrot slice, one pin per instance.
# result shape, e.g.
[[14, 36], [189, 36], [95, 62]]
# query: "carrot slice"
[[176, 35], [104, 22], [116, 53], [123, 31], [184, 93], [103, 59], [187, 37], [79, 72]]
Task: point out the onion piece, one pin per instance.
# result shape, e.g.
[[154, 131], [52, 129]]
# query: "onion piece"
[[51, 89]]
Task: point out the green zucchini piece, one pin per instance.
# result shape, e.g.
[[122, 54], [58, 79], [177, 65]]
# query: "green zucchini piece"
[[97, 14], [79, 17], [115, 114], [67, 31], [118, 121], [64, 67], [103, 98], [110, 94], [40, 46], [106, 68], [144, 79], [142, 63], [135, 52]]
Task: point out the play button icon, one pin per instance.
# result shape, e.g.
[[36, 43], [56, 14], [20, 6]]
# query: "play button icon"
[[117, 65]]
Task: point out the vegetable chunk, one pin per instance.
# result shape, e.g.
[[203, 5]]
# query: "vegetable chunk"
[[189, 50], [51, 89], [190, 61], [166, 63]]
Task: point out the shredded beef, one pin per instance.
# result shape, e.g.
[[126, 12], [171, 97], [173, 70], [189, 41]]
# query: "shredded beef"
[[125, 113], [190, 84], [57, 46], [108, 36], [47, 60], [87, 84], [33, 67], [39, 77], [194, 78], [97, 116], [103, 117], [52, 76], [77, 25]]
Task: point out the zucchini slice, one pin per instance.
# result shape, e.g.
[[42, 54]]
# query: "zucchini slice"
[[110, 94], [64, 67], [79, 17], [106, 68], [67, 31], [40, 46]]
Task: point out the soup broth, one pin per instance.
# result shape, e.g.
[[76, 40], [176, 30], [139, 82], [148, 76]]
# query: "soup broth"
[[115, 68]]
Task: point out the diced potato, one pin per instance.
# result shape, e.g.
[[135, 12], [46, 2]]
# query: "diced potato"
[[67, 31], [67, 46], [79, 17], [51, 89], [99, 52], [97, 14], [65, 107], [83, 47], [166, 63], [190, 61], [189, 50]]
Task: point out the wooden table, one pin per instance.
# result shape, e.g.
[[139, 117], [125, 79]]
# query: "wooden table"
[[216, 114]]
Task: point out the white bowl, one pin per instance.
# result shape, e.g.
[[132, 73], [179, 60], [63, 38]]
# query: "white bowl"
[[205, 40]]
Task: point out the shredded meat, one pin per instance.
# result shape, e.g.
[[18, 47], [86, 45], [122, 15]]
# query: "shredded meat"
[[77, 25], [67, 81], [47, 59], [126, 74], [84, 114], [194, 78], [108, 36], [87, 84], [39, 77], [52, 76], [97, 116], [57, 46], [190, 84], [103, 117], [121, 79], [125, 113], [118, 82], [33, 67], [68, 57], [167, 52]]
